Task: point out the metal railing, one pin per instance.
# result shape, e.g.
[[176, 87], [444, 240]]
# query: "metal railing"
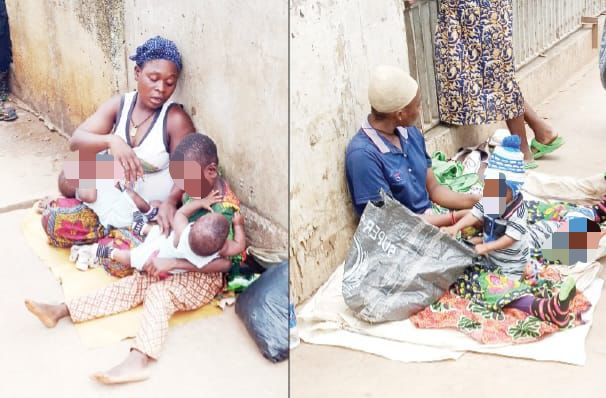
[[420, 21], [538, 25]]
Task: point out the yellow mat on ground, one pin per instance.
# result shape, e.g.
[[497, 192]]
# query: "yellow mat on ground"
[[102, 331]]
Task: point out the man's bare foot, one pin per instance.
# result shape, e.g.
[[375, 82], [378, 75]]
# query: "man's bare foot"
[[48, 314], [132, 369]]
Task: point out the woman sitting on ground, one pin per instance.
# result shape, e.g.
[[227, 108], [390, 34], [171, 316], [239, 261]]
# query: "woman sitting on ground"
[[140, 130]]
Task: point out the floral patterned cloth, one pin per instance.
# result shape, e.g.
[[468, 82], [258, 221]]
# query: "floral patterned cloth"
[[69, 222], [122, 238], [475, 72], [503, 326]]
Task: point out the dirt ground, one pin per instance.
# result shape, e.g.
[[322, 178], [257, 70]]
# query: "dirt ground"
[[578, 113], [213, 356]]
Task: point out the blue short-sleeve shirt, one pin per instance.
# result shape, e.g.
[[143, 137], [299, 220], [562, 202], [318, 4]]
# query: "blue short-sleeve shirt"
[[373, 163]]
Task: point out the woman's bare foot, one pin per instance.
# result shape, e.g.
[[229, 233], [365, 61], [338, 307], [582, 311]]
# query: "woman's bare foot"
[[132, 369], [48, 314]]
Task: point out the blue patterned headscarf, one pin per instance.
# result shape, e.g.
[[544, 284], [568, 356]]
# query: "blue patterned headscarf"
[[157, 48]]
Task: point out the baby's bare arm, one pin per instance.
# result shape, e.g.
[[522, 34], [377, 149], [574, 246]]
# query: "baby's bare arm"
[[238, 244]]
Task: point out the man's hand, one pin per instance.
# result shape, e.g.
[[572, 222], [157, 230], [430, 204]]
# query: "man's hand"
[[166, 214]]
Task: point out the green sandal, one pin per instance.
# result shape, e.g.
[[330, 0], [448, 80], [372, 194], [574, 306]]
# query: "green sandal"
[[530, 165], [540, 150]]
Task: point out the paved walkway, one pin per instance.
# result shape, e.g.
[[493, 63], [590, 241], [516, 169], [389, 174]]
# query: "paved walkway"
[[578, 111]]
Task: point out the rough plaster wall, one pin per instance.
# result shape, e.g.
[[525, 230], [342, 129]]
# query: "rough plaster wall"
[[334, 44], [70, 56], [235, 86], [67, 56]]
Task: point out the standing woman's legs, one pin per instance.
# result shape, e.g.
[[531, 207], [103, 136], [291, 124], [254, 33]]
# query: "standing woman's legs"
[[517, 127], [542, 131]]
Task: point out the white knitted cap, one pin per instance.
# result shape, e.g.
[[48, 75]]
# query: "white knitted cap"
[[390, 89]]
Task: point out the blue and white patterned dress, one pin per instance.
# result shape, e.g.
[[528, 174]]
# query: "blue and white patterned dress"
[[475, 72]]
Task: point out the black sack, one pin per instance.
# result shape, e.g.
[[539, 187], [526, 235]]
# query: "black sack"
[[398, 264], [263, 307]]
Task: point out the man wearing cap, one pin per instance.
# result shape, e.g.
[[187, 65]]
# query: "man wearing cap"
[[388, 153]]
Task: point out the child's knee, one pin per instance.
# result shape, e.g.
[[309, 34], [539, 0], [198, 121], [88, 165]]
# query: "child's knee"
[[87, 195]]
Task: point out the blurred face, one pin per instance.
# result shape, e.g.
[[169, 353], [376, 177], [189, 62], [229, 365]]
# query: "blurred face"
[[193, 179], [409, 115], [577, 239], [156, 82], [495, 197]]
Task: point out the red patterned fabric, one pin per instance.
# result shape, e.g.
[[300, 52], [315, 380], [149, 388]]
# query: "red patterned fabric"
[[510, 326]]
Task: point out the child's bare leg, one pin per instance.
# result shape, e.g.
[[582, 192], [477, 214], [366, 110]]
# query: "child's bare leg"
[[121, 256], [49, 314], [43, 204], [141, 203], [132, 369]]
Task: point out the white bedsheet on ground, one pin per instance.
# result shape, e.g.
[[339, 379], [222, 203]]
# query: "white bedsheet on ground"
[[326, 319]]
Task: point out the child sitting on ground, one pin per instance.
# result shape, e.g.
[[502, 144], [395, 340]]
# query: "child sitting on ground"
[[199, 242], [506, 244], [503, 217]]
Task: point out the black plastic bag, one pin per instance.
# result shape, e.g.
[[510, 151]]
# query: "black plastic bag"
[[263, 307], [398, 264]]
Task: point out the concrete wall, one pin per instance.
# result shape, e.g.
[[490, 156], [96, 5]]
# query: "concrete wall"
[[63, 56], [72, 55], [334, 44]]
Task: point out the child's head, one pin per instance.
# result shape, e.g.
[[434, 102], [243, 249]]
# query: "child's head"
[[208, 234], [576, 240], [194, 164], [497, 194], [66, 187]]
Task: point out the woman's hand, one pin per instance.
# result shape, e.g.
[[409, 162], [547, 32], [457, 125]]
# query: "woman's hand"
[[166, 214], [127, 158], [158, 267]]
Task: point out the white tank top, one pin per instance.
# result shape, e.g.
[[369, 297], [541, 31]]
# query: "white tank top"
[[152, 150]]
